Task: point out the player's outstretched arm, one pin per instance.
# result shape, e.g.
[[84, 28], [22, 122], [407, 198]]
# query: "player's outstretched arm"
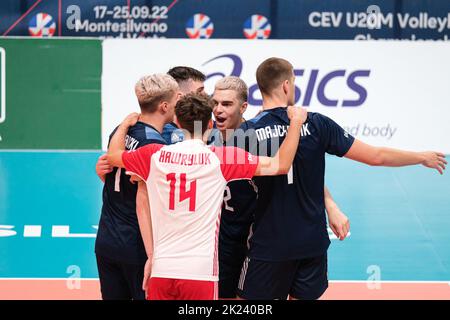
[[337, 220], [145, 226], [117, 143], [282, 161], [388, 157]]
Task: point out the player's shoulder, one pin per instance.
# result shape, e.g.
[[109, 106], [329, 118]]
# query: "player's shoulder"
[[319, 119], [168, 129], [315, 116], [270, 117], [145, 134], [316, 119], [225, 152], [256, 121], [147, 150]]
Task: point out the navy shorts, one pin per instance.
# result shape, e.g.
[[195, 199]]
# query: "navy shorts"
[[231, 260], [120, 281], [305, 279]]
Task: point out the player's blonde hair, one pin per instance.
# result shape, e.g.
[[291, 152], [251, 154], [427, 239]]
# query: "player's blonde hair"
[[235, 84], [153, 89]]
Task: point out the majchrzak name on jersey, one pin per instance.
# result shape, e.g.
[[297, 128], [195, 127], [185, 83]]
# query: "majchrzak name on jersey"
[[278, 130]]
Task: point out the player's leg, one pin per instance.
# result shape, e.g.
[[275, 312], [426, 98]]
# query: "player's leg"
[[311, 279], [113, 284], [196, 289], [134, 274], [266, 280]]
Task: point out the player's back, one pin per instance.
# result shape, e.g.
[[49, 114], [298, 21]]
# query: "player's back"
[[185, 184], [290, 219], [186, 191]]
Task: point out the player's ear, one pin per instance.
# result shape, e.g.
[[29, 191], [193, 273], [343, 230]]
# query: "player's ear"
[[286, 86], [164, 106], [210, 124], [243, 108]]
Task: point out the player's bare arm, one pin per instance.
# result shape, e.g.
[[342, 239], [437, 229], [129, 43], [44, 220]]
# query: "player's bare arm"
[[388, 157], [145, 226], [117, 143], [282, 161], [337, 220]]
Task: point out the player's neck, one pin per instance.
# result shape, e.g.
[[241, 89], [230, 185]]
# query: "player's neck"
[[189, 137], [274, 101], [153, 120]]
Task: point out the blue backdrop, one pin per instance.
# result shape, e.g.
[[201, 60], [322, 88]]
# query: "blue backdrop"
[[287, 19]]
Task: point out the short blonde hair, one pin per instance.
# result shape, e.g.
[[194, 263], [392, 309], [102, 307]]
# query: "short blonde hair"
[[153, 89], [235, 84]]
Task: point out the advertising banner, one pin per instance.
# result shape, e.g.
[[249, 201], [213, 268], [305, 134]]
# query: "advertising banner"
[[385, 93], [231, 19]]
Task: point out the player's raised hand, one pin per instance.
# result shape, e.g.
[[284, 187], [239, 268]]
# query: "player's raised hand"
[[102, 167], [434, 160], [297, 113], [131, 119]]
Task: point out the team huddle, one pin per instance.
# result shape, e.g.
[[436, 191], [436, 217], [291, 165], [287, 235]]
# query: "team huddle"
[[232, 208]]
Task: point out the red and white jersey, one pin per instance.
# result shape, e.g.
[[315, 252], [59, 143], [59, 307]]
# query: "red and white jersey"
[[186, 183]]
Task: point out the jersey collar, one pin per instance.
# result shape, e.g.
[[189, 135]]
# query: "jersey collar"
[[194, 141], [149, 125]]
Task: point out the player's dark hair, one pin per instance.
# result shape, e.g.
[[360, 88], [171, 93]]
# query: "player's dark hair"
[[271, 74], [191, 108], [182, 73]]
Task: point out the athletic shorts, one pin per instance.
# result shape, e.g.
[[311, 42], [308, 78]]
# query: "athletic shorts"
[[181, 289], [120, 281], [305, 279], [230, 265]]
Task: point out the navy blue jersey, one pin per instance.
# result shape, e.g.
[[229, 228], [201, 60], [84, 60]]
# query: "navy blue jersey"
[[290, 221], [118, 236], [172, 134], [239, 204], [238, 208]]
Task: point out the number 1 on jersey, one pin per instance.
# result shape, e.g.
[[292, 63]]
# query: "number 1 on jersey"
[[191, 194]]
